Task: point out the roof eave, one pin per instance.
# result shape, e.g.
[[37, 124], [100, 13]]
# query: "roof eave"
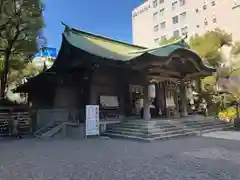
[[67, 28]]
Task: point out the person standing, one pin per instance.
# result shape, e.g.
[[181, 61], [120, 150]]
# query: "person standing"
[[16, 128]]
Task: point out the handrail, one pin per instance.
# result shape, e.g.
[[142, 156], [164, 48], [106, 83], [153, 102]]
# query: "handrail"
[[44, 127]]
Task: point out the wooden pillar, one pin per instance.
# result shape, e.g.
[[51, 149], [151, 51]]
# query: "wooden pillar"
[[88, 80], [127, 100], [198, 87], [146, 104], [176, 102], [122, 89], [164, 100], [157, 100], [183, 98], [160, 98]]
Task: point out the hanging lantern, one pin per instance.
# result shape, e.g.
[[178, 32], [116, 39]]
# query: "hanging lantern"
[[151, 91]]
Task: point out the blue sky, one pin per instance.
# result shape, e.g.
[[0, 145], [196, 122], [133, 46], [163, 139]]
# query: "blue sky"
[[111, 18]]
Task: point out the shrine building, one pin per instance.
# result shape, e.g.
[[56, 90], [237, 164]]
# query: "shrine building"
[[125, 80]]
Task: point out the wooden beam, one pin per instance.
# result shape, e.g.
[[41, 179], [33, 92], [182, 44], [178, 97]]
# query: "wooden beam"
[[161, 79], [183, 59], [171, 59], [198, 74], [168, 72], [194, 63]]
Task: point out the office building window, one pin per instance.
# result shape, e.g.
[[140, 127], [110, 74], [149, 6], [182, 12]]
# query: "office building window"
[[175, 19], [213, 3], [174, 5], [183, 16], [155, 15], [164, 37], [162, 12], [163, 25], [205, 6], [184, 31], [182, 2], [161, 1], [214, 20], [155, 3], [156, 40], [205, 22], [176, 33], [156, 28]]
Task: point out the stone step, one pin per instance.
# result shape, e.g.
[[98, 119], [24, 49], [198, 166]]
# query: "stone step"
[[127, 136], [194, 126], [148, 139], [196, 133], [167, 126], [139, 127], [169, 136], [163, 129], [150, 135], [200, 122], [163, 133], [143, 129], [193, 122], [49, 130], [197, 126], [202, 118], [144, 122]]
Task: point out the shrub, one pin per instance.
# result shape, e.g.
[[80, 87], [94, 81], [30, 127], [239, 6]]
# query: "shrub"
[[228, 114]]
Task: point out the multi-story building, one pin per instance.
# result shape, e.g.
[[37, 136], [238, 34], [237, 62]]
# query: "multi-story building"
[[155, 20]]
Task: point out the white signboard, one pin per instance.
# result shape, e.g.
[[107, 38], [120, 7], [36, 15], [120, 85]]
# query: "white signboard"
[[92, 120]]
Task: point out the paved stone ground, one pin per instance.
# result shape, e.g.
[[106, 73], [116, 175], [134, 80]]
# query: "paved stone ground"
[[197, 158], [234, 135]]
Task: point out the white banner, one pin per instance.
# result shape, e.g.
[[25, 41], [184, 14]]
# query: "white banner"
[[92, 120]]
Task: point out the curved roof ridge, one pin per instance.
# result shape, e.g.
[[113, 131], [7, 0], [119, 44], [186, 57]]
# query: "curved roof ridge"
[[203, 60], [176, 42], [102, 37]]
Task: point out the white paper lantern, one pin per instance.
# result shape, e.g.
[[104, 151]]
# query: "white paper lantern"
[[151, 91]]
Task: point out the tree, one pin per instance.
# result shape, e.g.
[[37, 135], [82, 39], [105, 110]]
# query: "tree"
[[208, 45], [170, 40], [16, 76], [236, 48], [21, 25]]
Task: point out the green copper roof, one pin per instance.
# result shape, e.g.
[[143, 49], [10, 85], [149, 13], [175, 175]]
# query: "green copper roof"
[[99, 47], [164, 51], [113, 49]]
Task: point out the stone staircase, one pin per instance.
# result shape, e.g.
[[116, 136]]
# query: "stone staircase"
[[59, 130], [162, 129], [49, 130]]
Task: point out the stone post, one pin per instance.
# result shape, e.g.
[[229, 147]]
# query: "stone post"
[[183, 98]]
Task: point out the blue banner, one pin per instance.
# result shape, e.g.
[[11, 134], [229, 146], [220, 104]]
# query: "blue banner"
[[47, 52]]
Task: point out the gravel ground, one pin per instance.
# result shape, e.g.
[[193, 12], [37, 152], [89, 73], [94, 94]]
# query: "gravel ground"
[[187, 158]]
